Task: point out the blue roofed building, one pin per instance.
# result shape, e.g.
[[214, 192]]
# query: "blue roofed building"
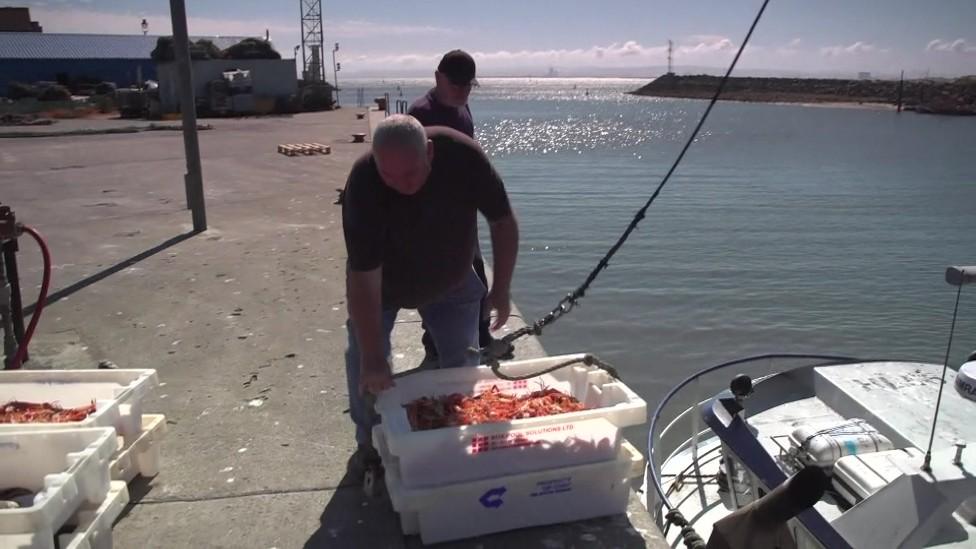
[[120, 58]]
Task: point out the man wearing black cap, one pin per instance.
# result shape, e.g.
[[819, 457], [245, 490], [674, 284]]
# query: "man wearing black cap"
[[447, 105]]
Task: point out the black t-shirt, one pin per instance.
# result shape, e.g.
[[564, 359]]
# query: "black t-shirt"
[[431, 112], [425, 242]]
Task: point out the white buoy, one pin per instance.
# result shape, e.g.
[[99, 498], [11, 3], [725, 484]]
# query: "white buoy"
[[966, 380]]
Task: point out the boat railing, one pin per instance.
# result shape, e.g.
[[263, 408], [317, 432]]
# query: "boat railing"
[[685, 430]]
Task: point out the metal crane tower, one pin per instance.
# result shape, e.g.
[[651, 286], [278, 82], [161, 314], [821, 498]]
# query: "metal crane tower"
[[313, 70]]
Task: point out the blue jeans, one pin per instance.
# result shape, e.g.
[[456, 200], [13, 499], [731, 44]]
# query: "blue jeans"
[[452, 321]]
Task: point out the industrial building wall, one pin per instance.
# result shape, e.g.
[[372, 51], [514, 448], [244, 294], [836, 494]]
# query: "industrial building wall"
[[270, 78], [124, 72]]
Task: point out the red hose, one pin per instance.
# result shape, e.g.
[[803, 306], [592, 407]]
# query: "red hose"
[[45, 285]]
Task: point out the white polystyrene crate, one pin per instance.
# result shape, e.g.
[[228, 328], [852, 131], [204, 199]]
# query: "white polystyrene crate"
[[142, 456], [118, 396], [93, 524], [513, 451], [441, 456], [468, 509], [65, 468]]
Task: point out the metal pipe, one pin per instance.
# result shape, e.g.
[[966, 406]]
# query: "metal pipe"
[[730, 469], [193, 179], [695, 431], [6, 324], [9, 250], [21, 354], [301, 10], [960, 446]]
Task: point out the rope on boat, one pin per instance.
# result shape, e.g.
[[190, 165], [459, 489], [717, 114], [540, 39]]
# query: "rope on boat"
[[690, 538]]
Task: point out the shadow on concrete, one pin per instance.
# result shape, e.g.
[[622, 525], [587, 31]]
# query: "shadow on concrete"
[[613, 532], [109, 271], [352, 519], [138, 489]]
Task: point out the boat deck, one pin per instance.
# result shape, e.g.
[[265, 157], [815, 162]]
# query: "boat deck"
[[898, 399]]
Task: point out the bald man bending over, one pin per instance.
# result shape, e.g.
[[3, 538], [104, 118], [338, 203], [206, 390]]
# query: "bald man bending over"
[[410, 223]]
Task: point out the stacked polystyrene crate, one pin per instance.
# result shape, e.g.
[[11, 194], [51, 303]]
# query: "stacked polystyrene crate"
[[79, 480], [66, 472], [458, 482]]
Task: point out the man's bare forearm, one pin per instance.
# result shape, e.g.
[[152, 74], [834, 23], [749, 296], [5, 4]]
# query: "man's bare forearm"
[[364, 302]]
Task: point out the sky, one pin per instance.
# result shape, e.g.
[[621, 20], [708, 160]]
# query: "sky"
[[576, 37]]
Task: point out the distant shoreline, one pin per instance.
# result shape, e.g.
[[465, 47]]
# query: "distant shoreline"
[[831, 104], [957, 97], [841, 105]]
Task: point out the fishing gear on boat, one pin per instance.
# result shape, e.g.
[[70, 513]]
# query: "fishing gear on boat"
[[587, 359], [569, 302], [691, 538]]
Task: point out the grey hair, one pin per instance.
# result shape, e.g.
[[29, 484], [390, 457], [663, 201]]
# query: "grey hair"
[[400, 131]]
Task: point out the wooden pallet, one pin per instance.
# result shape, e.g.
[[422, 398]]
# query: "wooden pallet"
[[296, 149]]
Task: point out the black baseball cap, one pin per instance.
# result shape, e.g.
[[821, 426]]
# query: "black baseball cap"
[[458, 67]]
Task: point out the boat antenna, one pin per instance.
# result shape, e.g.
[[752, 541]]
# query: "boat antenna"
[[955, 276]]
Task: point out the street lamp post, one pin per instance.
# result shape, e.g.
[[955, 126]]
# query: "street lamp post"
[[335, 72], [193, 180]]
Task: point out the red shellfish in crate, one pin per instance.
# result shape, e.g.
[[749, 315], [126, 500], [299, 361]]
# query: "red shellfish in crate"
[[489, 407]]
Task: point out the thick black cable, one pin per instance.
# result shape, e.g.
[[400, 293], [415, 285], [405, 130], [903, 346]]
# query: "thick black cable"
[[567, 303]]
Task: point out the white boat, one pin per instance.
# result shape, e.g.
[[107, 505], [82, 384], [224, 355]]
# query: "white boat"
[[894, 481]]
